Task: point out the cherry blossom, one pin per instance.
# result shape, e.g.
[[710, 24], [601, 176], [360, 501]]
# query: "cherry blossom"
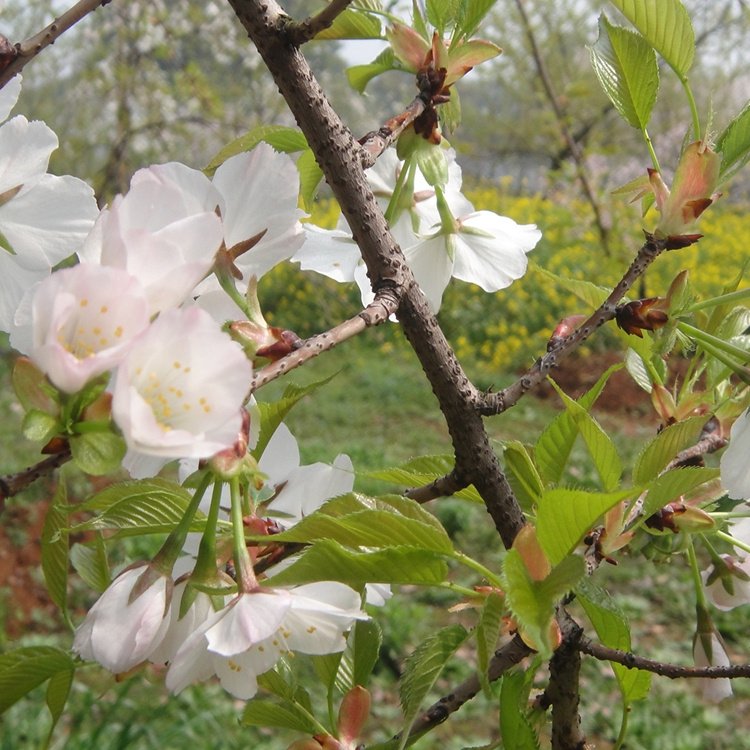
[[43, 218], [128, 621], [735, 467], [179, 391], [250, 634], [79, 328]]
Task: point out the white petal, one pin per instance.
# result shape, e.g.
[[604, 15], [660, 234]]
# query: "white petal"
[[432, 268], [281, 455], [236, 674], [735, 463], [330, 252], [25, 148], [9, 96], [15, 281]]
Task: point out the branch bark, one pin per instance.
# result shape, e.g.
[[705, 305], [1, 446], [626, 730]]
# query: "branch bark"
[[304, 31], [31, 47]]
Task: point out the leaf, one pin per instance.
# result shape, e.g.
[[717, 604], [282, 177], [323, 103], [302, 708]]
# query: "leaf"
[[612, 628], [286, 715], [470, 16], [666, 26], [432, 164], [670, 486], [54, 544], [147, 506], [515, 727], [273, 413], [360, 75], [32, 388], [637, 370], [26, 668], [420, 471], [90, 562], [310, 175], [422, 668], [352, 24], [734, 144], [627, 70], [359, 521], [657, 453], [522, 474], [587, 292], [327, 560], [565, 516], [450, 112], [600, 446], [363, 649], [487, 632], [552, 449], [533, 602], [441, 13], [280, 137], [58, 690], [98, 453], [39, 426]]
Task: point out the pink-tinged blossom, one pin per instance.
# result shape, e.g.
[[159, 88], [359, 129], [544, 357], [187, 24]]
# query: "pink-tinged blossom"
[[164, 231], [735, 462], [731, 585], [122, 629], [43, 218], [179, 391], [248, 636], [83, 319]]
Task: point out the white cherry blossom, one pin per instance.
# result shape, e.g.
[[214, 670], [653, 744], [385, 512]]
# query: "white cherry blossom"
[[735, 462]]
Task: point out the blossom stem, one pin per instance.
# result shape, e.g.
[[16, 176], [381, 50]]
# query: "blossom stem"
[[165, 558], [622, 734], [723, 299], [246, 580], [394, 207], [735, 351], [470, 562], [205, 566], [227, 284], [462, 590], [733, 541], [700, 594]]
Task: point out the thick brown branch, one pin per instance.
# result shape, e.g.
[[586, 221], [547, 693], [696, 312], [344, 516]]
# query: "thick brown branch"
[[340, 158], [377, 312], [304, 31], [563, 693], [673, 671], [496, 403], [31, 47]]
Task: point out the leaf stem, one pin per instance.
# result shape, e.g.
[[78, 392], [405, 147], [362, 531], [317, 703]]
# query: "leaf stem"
[[693, 106], [650, 147], [470, 562]]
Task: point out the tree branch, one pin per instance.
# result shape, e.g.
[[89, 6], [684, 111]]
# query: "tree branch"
[[441, 487], [673, 671], [377, 312], [304, 31], [12, 484], [496, 403], [340, 158], [563, 693], [31, 47]]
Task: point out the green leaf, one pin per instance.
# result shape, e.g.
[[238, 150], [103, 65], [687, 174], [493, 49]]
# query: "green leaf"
[[352, 24], [310, 175], [360, 75], [627, 70], [522, 474], [565, 516], [470, 16], [734, 144], [600, 446], [671, 485], [666, 26], [359, 521], [533, 602], [58, 690], [421, 670], [637, 370], [286, 715], [55, 548], [282, 138], [421, 471], [327, 560], [32, 388], [39, 426], [273, 413], [363, 649], [515, 727], [90, 562], [657, 453], [26, 668], [450, 112], [327, 669], [552, 449], [613, 630], [487, 632], [147, 506], [432, 164], [587, 292], [98, 453]]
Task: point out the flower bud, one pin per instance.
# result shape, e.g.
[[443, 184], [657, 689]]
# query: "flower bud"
[[641, 314], [677, 517]]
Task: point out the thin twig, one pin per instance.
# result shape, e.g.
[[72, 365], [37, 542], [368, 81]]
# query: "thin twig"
[[377, 312], [441, 487], [673, 671], [304, 31], [504, 659], [12, 484], [496, 403], [31, 47]]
